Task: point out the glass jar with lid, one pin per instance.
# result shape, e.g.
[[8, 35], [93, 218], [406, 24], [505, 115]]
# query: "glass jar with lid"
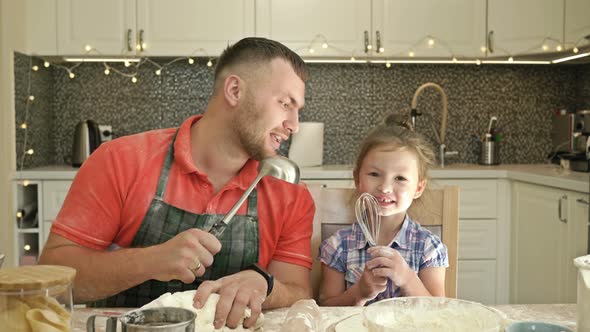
[[36, 298]]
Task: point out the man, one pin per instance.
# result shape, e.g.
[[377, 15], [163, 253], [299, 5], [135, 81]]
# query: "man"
[[155, 195]]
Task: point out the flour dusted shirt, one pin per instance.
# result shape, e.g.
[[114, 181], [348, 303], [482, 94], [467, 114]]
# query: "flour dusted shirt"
[[346, 251]]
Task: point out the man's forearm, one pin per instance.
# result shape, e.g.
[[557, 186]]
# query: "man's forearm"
[[100, 274], [284, 295]]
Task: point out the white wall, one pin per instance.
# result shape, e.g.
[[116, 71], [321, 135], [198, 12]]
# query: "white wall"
[[12, 37]]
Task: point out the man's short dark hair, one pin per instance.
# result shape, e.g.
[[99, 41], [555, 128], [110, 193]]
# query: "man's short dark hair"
[[256, 49]]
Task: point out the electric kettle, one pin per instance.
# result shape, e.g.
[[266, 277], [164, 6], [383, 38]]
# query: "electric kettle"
[[86, 140]]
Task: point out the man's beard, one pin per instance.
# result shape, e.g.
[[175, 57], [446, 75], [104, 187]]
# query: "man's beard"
[[249, 126]]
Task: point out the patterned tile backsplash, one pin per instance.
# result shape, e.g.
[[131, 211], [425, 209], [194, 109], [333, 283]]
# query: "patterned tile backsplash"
[[348, 98]]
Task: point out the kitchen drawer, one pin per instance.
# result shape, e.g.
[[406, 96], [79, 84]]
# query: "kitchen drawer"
[[54, 194], [476, 281], [478, 198], [477, 239]]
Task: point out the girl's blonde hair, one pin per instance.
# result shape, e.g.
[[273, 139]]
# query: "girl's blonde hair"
[[396, 131]]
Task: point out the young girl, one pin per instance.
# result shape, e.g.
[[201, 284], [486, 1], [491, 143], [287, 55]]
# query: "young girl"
[[408, 260]]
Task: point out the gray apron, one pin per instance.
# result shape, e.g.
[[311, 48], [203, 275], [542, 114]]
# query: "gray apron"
[[239, 243]]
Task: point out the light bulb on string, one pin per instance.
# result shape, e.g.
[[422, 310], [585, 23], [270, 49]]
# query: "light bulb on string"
[[544, 47], [381, 49], [483, 49], [352, 58], [30, 151], [388, 64], [143, 46], [209, 63], [107, 71], [191, 61], [430, 42], [23, 125], [35, 68], [159, 72], [311, 50], [19, 214], [324, 45], [71, 75], [369, 47], [46, 64], [26, 183], [510, 59], [138, 47], [27, 247], [126, 63], [87, 48], [576, 50], [478, 62], [558, 48], [454, 59], [31, 98], [134, 79], [411, 54]]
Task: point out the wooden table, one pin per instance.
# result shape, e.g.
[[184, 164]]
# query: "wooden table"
[[563, 314]]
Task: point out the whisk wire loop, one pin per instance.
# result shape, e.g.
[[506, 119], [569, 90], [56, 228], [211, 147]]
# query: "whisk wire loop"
[[368, 217]]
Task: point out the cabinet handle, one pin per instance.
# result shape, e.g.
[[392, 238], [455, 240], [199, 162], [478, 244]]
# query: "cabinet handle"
[[564, 197], [129, 48], [140, 45], [367, 44], [583, 201], [378, 41], [491, 41]]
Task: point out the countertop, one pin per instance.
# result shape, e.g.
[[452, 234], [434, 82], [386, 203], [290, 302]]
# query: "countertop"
[[562, 314], [542, 174]]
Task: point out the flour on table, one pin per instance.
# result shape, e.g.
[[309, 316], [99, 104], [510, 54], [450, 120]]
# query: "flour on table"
[[353, 323], [205, 316]]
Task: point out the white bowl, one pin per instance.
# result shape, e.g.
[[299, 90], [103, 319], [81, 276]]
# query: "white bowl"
[[427, 314]]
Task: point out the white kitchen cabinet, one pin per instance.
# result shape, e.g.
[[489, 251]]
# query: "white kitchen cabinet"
[[152, 27], [477, 280], [549, 229], [524, 26], [458, 27], [577, 24], [54, 195], [41, 27], [297, 23]]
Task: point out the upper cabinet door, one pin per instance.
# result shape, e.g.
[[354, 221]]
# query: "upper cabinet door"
[[524, 26], [303, 24], [182, 27], [430, 28], [577, 23], [106, 25]]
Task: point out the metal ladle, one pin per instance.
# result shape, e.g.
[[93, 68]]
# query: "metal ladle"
[[279, 167]]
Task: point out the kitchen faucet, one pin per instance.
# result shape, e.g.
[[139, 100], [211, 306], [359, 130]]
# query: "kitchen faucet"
[[443, 125]]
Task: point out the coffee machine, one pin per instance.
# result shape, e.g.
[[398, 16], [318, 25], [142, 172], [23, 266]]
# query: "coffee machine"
[[571, 138]]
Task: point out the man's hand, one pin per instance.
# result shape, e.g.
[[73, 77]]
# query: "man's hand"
[[387, 262], [185, 256], [245, 289]]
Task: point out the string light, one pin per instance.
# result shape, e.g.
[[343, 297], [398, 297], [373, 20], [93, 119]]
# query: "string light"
[[134, 79], [388, 64], [311, 50], [35, 68], [483, 49], [544, 47], [26, 183], [558, 48], [159, 72], [27, 247], [191, 61], [46, 64], [324, 45], [127, 63], [23, 125], [88, 48], [19, 214], [381, 49], [411, 54], [209, 63], [576, 50], [107, 71], [31, 98], [30, 151], [71, 75], [430, 42], [510, 59]]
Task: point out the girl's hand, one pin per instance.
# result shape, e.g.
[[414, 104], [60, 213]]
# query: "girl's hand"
[[388, 263], [371, 285]]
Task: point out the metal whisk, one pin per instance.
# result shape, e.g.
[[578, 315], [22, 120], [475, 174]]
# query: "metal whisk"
[[368, 216]]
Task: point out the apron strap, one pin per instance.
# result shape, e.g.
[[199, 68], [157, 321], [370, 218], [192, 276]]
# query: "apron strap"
[[253, 204], [163, 180]]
